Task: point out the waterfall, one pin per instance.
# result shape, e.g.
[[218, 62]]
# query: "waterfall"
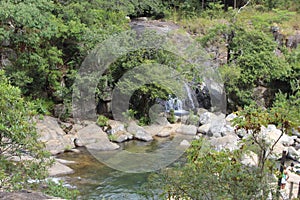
[[189, 94]]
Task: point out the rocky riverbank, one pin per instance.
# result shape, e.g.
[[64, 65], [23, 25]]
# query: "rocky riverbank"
[[67, 136]]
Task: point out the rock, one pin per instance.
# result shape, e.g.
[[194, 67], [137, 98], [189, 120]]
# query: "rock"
[[78, 143], [48, 128], [67, 127], [102, 146], [143, 135], [75, 129], [59, 110], [115, 127], [62, 161], [162, 121], [93, 137], [217, 128], [55, 139], [250, 159], [204, 128], [231, 117], [184, 143], [121, 137], [293, 153], [25, 195], [241, 133], [163, 134], [207, 117], [187, 129], [229, 142], [58, 169], [200, 111], [139, 132], [75, 150]]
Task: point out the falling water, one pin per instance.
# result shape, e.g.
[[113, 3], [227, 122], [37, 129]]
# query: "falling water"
[[190, 97]]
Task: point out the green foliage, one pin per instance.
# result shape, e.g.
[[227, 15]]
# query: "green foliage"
[[171, 117], [129, 114], [102, 120], [143, 121], [59, 190], [193, 119], [211, 174], [18, 139], [42, 106]]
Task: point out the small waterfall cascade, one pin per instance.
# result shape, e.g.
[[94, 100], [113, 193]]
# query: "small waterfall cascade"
[[189, 100], [173, 104]]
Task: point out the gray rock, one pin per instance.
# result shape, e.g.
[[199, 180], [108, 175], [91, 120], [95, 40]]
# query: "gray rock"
[[231, 117], [184, 143], [139, 132], [115, 127], [293, 153], [122, 137], [187, 129], [93, 137], [78, 143], [143, 135], [204, 128], [163, 134], [55, 139], [228, 141], [162, 121], [207, 117], [58, 169], [75, 129], [217, 128], [102, 146]]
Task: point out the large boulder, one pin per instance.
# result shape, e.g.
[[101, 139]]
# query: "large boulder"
[[51, 133], [207, 117], [139, 132], [59, 169], [93, 137], [226, 142], [187, 129]]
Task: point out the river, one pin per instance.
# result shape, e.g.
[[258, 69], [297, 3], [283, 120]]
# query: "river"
[[97, 181]]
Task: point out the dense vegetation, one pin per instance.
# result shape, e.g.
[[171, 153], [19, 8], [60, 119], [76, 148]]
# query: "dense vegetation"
[[43, 43]]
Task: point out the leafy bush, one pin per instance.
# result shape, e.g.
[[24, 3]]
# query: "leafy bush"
[[171, 118], [102, 120], [18, 139], [59, 190]]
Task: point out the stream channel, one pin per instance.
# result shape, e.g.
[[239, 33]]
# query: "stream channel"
[[95, 180]]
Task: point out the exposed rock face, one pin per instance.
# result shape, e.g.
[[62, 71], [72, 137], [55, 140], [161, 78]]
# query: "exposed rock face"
[[93, 137], [55, 139]]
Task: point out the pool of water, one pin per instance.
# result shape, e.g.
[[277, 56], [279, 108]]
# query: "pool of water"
[[95, 180]]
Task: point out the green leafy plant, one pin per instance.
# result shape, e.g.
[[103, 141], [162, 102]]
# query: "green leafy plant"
[[171, 116], [59, 190], [21, 154], [102, 120]]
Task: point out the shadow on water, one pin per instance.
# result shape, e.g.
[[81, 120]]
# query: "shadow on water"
[[95, 180]]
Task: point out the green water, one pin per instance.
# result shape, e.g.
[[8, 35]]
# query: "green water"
[[95, 180]]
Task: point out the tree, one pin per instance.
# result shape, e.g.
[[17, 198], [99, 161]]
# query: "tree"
[[211, 174], [18, 139]]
